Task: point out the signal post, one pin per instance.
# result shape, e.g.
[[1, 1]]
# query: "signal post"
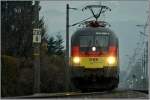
[[36, 55]]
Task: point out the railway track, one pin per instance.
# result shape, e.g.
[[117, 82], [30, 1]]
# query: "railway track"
[[78, 94]]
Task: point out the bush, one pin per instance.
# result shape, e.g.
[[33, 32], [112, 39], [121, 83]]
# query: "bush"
[[9, 76], [17, 76], [52, 74], [25, 79]]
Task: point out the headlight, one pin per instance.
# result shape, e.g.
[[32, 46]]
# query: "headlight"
[[93, 48], [111, 60], [76, 60]]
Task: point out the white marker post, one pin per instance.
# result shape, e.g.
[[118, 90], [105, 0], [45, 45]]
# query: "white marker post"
[[36, 54]]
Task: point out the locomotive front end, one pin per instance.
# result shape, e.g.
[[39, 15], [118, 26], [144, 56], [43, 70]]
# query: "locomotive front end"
[[94, 53]]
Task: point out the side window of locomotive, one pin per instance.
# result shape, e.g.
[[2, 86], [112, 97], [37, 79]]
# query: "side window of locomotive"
[[86, 41], [102, 41]]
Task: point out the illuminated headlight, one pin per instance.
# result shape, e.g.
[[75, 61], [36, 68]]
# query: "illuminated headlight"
[[93, 48], [76, 60], [111, 60]]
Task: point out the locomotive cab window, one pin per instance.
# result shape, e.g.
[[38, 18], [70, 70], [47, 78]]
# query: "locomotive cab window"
[[102, 41], [86, 41]]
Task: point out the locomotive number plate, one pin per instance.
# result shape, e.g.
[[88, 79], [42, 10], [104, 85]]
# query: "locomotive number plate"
[[94, 60]]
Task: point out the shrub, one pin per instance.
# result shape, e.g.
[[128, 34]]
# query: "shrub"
[[9, 75]]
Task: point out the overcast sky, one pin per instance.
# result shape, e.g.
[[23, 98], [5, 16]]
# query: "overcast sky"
[[124, 17]]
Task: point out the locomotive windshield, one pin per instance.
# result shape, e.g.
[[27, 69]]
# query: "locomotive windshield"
[[101, 40], [98, 41], [86, 41]]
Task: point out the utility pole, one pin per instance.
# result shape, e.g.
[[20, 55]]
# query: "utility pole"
[[67, 71], [144, 61], [147, 64], [36, 51], [147, 59]]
